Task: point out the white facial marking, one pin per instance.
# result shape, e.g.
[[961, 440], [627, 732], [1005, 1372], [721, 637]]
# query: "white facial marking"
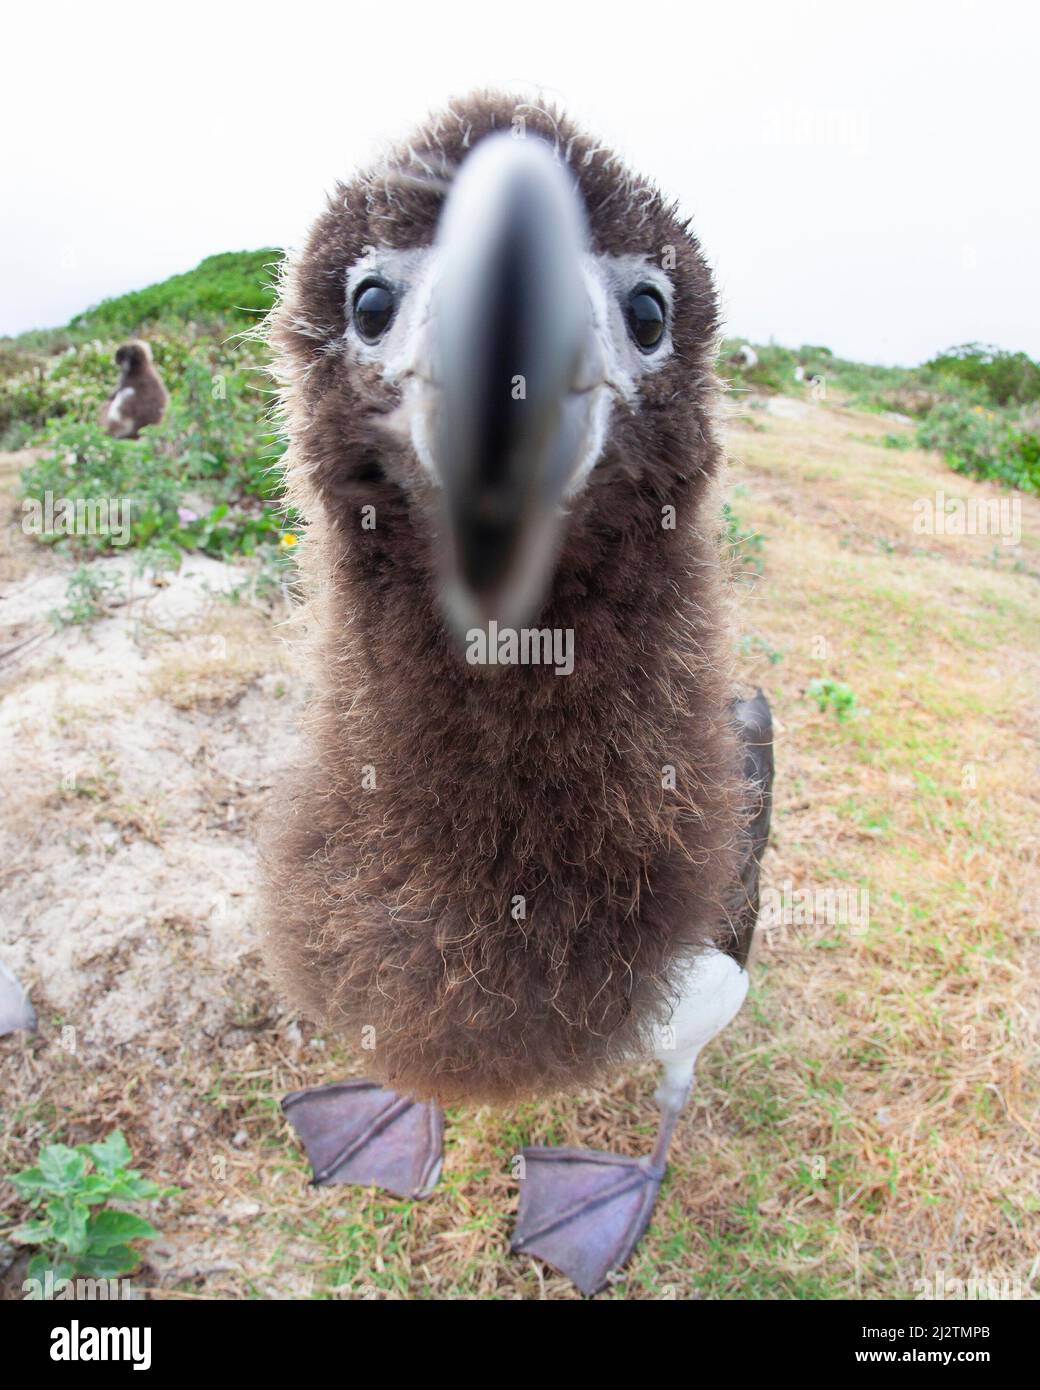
[[613, 365], [402, 354]]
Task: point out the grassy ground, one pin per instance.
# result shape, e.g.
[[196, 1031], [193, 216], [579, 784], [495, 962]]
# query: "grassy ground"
[[868, 1121]]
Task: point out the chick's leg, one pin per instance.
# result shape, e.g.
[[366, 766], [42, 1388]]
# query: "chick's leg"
[[583, 1211]]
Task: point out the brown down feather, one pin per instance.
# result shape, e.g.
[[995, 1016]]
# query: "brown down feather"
[[388, 912]]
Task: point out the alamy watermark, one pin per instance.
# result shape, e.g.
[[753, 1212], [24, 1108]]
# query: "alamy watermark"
[[78, 516], [788, 906], [51, 1287], [81, 1342], [526, 646], [977, 516], [835, 126], [996, 1287]]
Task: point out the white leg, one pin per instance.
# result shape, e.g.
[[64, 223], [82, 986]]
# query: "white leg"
[[583, 1211], [713, 992]]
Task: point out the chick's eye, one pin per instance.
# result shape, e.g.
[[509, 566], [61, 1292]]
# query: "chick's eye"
[[373, 310], [646, 317]]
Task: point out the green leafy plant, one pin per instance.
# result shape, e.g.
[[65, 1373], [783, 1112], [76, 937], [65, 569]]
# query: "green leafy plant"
[[985, 443], [89, 595], [835, 695], [199, 481], [79, 1234], [232, 285]]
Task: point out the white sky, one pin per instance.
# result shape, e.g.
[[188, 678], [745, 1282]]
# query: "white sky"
[[862, 175]]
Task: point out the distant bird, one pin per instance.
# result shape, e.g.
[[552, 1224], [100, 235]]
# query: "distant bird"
[[505, 880], [140, 398], [745, 356], [15, 1010]]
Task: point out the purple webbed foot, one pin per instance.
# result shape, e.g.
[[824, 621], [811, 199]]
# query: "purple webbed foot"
[[358, 1132], [583, 1212]]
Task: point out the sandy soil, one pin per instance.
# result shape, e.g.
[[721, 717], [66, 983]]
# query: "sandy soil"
[[136, 751]]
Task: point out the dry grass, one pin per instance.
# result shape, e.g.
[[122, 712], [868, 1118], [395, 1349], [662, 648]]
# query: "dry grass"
[[213, 663], [15, 559], [869, 1119]]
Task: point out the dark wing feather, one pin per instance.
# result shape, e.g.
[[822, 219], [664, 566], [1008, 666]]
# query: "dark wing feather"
[[754, 725]]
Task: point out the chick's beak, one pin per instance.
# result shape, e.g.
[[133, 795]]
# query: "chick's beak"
[[515, 353]]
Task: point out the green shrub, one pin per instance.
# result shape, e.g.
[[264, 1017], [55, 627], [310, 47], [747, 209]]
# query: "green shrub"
[[999, 377], [234, 288], [85, 462], [172, 486], [984, 444]]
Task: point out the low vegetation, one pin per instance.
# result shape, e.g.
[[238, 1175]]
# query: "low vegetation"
[[207, 478], [90, 594], [978, 406], [833, 695], [78, 1232]]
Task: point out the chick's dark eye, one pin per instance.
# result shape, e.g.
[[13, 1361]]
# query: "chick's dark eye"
[[373, 310], [646, 317]]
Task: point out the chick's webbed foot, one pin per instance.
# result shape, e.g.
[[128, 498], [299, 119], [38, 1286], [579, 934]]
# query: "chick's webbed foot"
[[358, 1132], [583, 1212]]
